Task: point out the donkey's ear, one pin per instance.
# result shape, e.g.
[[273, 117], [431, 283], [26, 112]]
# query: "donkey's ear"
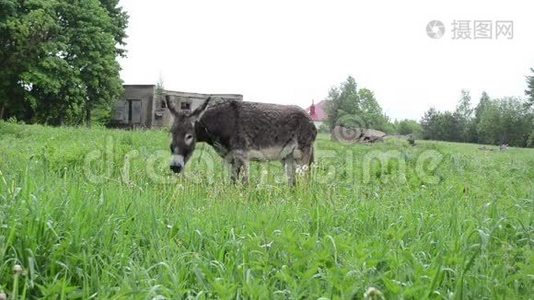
[[199, 111], [170, 105]]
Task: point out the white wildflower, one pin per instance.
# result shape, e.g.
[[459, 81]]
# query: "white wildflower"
[[373, 293], [17, 269]]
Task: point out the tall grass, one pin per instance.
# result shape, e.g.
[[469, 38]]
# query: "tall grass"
[[114, 227]]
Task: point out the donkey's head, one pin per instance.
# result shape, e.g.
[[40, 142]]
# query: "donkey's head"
[[183, 134]]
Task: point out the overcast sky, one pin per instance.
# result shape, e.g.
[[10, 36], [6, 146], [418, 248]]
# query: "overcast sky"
[[291, 52]]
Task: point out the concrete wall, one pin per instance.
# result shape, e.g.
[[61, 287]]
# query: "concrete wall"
[[126, 116]]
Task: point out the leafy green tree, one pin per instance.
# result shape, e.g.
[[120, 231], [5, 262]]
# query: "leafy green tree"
[[483, 103], [499, 121], [464, 105], [485, 100], [343, 101], [489, 124], [372, 112], [429, 124], [7, 10], [119, 20], [506, 121], [407, 127], [463, 116], [353, 107], [442, 126], [58, 58], [28, 31], [447, 127], [530, 88], [91, 36]]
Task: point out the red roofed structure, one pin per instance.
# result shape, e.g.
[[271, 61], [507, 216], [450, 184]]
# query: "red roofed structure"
[[318, 112]]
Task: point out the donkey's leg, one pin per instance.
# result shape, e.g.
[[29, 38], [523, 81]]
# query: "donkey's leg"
[[304, 157], [239, 167], [303, 161], [242, 171], [289, 165]]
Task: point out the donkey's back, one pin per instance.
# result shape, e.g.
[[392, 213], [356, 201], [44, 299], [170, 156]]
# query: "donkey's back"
[[241, 131]]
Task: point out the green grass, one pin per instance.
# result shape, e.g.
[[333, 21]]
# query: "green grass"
[[84, 222]]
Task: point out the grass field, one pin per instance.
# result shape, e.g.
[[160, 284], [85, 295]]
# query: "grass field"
[[94, 213]]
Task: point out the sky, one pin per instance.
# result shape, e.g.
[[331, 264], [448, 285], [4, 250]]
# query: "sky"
[[293, 52]]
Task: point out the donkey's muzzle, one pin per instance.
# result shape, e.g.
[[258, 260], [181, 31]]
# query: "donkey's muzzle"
[[176, 168], [177, 163]]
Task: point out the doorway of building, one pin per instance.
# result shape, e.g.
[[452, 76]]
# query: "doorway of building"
[[134, 111]]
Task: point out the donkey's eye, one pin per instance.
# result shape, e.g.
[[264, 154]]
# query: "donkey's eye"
[[188, 138]]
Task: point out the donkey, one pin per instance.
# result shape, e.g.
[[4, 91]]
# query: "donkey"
[[241, 131]]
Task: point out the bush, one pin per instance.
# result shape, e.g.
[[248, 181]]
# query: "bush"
[[406, 127], [101, 115]]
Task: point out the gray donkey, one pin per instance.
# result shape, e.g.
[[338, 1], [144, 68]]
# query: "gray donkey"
[[241, 131]]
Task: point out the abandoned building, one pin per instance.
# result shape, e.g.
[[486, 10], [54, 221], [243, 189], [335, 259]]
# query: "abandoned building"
[[143, 106]]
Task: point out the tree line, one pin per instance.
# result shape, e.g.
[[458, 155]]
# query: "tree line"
[[508, 120], [58, 59]]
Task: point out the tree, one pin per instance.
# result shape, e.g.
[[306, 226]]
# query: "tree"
[[442, 126], [58, 58], [483, 103], [447, 127], [28, 32], [429, 124], [530, 89], [463, 118], [505, 121], [371, 111], [485, 100], [91, 50], [119, 20], [343, 102], [355, 108], [7, 10], [499, 121]]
